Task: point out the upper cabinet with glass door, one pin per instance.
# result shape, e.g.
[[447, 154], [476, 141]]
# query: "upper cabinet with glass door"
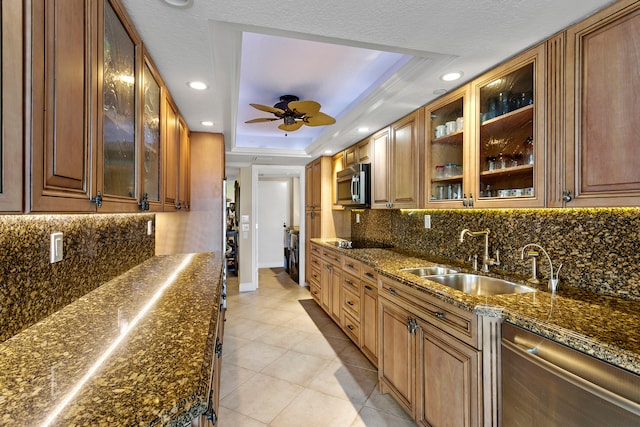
[[446, 156], [151, 153], [508, 167]]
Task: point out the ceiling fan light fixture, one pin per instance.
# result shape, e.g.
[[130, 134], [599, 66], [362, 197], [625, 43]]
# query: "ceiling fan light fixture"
[[294, 113]]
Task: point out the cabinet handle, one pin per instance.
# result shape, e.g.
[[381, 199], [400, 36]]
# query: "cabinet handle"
[[470, 200], [393, 291], [369, 275], [367, 287], [464, 200], [350, 303], [350, 327], [350, 283], [144, 203], [350, 266], [440, 315], [566, 196], [328, 268], [97, 200]]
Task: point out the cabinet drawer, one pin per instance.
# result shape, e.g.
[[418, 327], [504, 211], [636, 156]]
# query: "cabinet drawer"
[[315, 275], [453, 320], [332, 257], [315, 291], [369, 274], [351, 327], [316, 249], [315, 261], [350, 301], [351, 266]]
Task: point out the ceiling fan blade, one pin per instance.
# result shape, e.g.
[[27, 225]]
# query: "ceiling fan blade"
[[319, 119], [267, 108], [262, 119], [291, 127], [304, 107]]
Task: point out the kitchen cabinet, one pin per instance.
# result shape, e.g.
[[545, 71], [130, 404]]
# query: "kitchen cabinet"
[[601, 153], [315, 264], [11, 109], [508, 141], [430, 358], [63, 128], [152, 157], [351, 307], [318, 203], [171, 146], [447, 150], [395, 173], [338, 164], [357, 153], [184, 166], [330, 284], [369, 314]]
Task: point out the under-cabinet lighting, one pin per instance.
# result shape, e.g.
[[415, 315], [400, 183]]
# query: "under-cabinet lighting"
[[449, 77], [197, 85]]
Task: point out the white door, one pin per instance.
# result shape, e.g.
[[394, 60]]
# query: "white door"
[[273, 212]]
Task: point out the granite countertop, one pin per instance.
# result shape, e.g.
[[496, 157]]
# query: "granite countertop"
[[135, 351], [605, 327]]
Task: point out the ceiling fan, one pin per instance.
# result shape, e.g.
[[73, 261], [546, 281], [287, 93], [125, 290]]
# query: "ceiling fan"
[[295, 113]]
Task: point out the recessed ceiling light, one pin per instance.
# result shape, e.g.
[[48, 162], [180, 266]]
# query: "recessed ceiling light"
[[179, 3], [328, 151], [363, 129], [197, 85], [439, 92], [449, 77], [206, 123]]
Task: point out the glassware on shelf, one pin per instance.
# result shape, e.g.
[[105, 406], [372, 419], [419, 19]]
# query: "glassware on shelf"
[[528, 151], [440, 171]]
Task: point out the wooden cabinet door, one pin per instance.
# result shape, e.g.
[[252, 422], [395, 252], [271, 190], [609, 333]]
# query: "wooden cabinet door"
[[380, 192], [369, 322], [308, 187], [325, 287], [448, 380], [172, 150], [602, 127], [363, 154], [63, 108], [396, 363], [183, 167], [11, 110], [335, 274], [403, 174]]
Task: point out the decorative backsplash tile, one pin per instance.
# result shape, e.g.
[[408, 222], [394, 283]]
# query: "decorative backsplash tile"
[[599, 248], [97, 248]]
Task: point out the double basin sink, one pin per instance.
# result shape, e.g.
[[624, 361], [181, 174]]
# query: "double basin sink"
[[468, 283]]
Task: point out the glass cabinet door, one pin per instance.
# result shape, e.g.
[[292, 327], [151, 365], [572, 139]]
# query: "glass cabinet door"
[[507, 136], [445, 166], [119, 108], [151, 135]]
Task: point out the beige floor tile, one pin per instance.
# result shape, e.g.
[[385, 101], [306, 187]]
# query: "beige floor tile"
[[296, 367], [232, 377], [314, 409], [262, 398], [244, 328], [281, 336], [321, 346], [229, 418], [274, 316], [369, 417], [351, 355], [346, 382], [232, 343], [385, 403], [254, 356]]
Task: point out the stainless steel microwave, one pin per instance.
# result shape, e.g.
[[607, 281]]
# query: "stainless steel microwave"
[[353, 186]]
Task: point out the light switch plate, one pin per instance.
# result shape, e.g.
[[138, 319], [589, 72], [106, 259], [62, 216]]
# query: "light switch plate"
[[56, 249]]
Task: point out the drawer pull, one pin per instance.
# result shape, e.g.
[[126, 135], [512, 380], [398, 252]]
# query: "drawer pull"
[[392, 291], [349, 282], [440, 315], [350, 327], [370, 275], [350, 266], [350, 303], [367, 287]]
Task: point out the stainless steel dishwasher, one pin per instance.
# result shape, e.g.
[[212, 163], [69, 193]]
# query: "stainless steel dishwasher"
[[548, 384]]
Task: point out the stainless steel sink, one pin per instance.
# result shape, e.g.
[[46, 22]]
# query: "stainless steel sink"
[[480, 285], [429, 271]]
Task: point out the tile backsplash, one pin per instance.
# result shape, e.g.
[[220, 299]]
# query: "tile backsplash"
[[97, 248], [599, 248]]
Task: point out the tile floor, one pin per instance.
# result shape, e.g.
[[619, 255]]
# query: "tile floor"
[[286, 364]]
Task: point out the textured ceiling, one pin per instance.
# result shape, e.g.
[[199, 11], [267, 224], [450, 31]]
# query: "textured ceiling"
[[204, 42]]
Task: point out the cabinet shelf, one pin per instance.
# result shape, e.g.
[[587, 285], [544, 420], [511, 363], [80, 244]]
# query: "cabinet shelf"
[[507, 122], [447, 179], [508, 171], [452, 138]]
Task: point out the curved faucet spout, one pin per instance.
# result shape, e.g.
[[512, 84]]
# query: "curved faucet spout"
[[553, 279]]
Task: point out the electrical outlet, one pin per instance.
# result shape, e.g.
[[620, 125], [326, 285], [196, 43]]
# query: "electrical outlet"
[[56, 252], [357, 218], [149, 228], [427, 221]]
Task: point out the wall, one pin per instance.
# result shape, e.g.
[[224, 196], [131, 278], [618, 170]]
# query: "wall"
[[245, 237], [97, 248], [200, 228], [599, 248]]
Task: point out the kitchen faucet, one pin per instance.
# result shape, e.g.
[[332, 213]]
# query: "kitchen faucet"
[[553, 280], [486, 260]]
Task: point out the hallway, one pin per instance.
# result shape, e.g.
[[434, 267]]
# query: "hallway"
[[286, 364]]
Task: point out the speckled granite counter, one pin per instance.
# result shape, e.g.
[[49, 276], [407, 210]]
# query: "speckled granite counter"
[[135, 351], [605, 327]]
